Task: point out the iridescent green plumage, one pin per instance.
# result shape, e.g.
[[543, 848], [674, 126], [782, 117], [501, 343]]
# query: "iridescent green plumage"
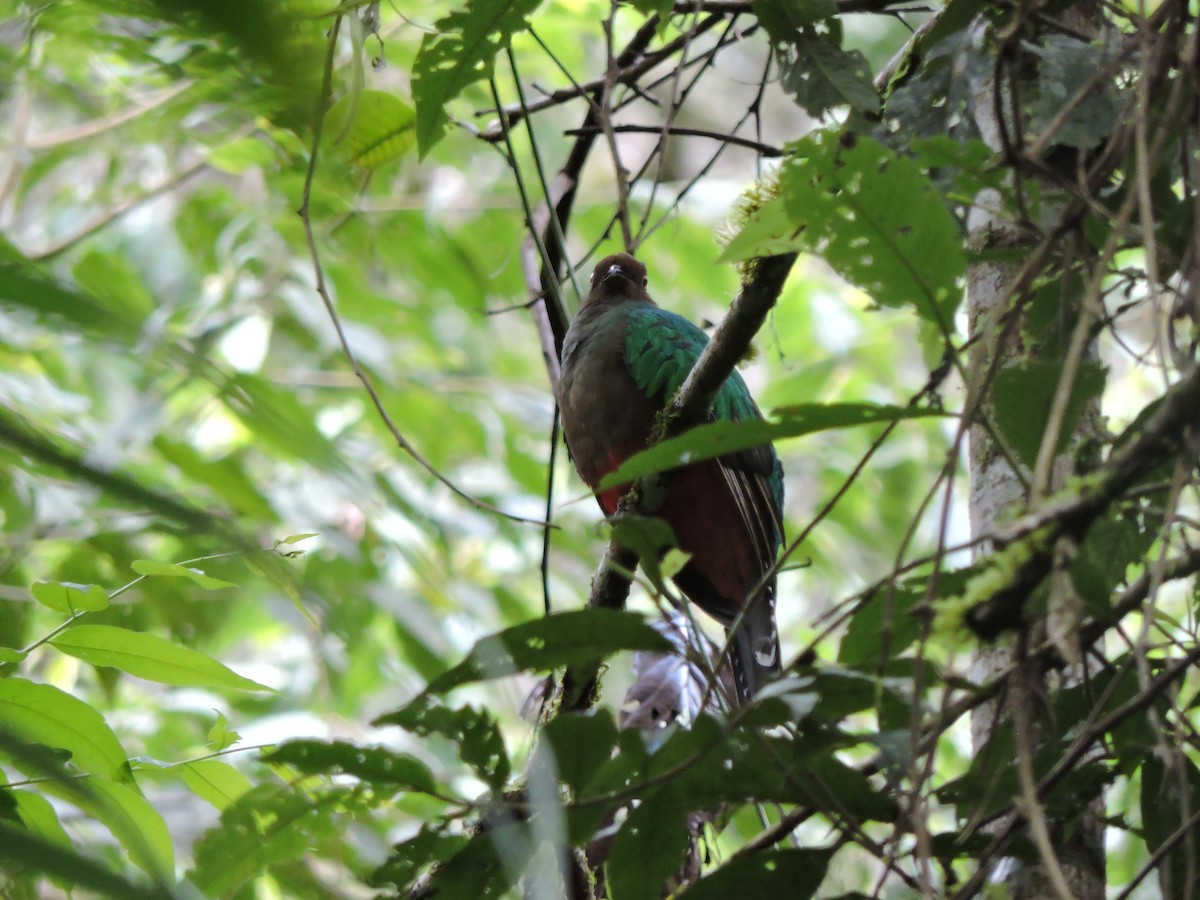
[[623, 359]]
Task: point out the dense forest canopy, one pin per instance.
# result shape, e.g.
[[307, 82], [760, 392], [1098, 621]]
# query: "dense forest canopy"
[[296, 576]]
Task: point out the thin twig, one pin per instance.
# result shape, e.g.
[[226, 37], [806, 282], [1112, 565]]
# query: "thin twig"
[[323, 292]]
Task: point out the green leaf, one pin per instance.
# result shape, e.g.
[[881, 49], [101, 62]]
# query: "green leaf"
[[474, 731], [884, 621], [378, 127], [24, 285], [581, 744], [821, 75], [783, 18], [791, 873], [43, 714], [21, 850], [297, 538], [65, 597], [133, 822], [650, 846], [149, 656], [562, 639], [38, 815], [410, 858], [878, 220], [377, 765], [1022, 396], [649, 8], [267, 825], [174, 570], [113, 280], [767, 231], [461, 52], [8, 656], [217, 782], [719, 438], [238, 155], [221, 736]]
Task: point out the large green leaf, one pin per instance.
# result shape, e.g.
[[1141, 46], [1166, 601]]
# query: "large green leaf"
[[649, 847], [1023, 395], [821, 75], [719, 438], [22, 850], [789, 872], [43, 714], [873, 216], [562, 639], [149, 656], [136, 824], [461, 52], [64, 597], [474, 731], [378, 766], [217, 782]]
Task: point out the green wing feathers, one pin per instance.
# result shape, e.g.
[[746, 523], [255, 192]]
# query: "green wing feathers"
[[661, 347]]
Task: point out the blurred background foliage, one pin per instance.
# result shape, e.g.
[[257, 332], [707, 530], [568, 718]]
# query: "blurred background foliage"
[[151, 174], [185, 444]]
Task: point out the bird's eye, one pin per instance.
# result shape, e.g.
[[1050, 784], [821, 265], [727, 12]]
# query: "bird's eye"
[[645, 281]]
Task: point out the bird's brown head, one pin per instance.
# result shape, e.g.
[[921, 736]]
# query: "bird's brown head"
[[618, 277]]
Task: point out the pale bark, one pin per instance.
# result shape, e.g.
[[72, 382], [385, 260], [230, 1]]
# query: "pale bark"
[[1071, 855]]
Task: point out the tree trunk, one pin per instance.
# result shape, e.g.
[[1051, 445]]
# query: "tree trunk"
[[1070, 851]]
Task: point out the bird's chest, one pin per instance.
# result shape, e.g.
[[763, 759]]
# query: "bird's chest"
[[605, 416]]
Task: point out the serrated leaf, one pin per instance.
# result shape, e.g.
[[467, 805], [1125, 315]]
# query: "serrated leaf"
[[376, 765], [719, 438], [474, 731], [562, 639], [149, 656], [1023, 394], [879, 221], [214, 781], [788, 873], [460, 53], [410, 858], [221, 736], [43, 714], [822, 76], [378, 127], [67, 597], [783, 19], [174, 570]]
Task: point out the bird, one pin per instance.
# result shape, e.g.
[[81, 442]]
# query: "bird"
[[623, 358]]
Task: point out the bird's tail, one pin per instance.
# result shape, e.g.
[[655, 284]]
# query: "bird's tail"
[[754, 648]]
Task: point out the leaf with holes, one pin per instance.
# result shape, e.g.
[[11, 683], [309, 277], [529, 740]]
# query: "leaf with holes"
[[460, 53], [878, 221], [563, 639]]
